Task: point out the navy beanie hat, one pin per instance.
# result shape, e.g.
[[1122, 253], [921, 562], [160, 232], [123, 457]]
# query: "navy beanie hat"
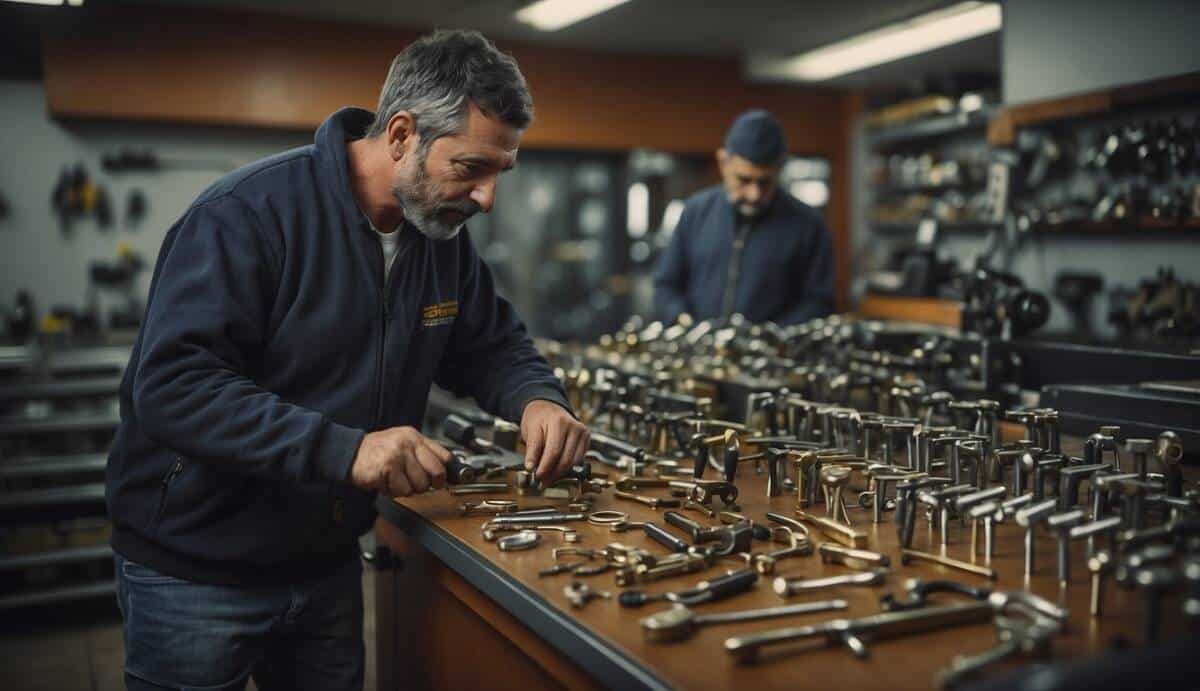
[[757, 137]]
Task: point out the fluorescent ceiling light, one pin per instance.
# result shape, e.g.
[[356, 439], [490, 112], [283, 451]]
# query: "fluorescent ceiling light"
[[552, 15], [917, 35], [75, 3]]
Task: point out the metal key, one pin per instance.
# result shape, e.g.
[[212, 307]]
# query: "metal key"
[[624, 525], [839, 533], [786, 587], [673, 565], [853, 558], [679, 622], [579, 594], [652, 502], [492, 533], [907, 555], [492, 506]]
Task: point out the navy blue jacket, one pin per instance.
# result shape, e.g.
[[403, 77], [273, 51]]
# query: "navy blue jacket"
[[271, 345], [786, 270]]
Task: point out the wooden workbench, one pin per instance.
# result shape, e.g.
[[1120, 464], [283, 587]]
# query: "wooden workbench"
[[462, 614]]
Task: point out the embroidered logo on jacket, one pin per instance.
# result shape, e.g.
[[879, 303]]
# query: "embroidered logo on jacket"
[[440, 314]]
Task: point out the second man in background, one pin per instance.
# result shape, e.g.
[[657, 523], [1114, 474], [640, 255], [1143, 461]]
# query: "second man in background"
[[743, 247]]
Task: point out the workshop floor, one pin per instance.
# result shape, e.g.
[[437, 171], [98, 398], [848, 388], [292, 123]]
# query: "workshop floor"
[[79, 648]]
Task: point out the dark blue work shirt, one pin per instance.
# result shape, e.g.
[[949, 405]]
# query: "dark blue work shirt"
[[783, 274], [273, 342]]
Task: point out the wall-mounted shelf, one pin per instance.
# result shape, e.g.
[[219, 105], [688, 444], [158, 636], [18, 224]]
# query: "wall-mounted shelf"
[[51, 596], [72, 388], [1142, 226], [909, 309], [1145, 226], [958, 227], [1002, 131], [938, 126], [928, 189], [66, 422], [53, 466]]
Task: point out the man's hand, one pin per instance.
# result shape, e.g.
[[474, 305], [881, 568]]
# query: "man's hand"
[[399, 461], [554, 441]]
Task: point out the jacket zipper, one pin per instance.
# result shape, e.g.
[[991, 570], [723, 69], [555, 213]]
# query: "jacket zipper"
[[385, 310], [166, 484], [733, 276], [383, 314]]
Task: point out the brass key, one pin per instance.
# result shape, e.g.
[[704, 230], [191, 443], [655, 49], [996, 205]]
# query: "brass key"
[[652, 502]]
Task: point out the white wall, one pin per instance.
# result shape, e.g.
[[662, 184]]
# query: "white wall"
[[1054, 48], [34, 253]]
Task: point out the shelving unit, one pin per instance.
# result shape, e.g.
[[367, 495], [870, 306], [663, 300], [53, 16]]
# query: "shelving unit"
[[911, 228], [52, 504], [931, 128], [898, 196]]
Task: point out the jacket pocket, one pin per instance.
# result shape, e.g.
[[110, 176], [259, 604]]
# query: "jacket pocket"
[[165, 489]]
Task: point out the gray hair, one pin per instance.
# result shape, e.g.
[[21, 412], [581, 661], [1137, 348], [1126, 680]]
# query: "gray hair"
[[437, 76]]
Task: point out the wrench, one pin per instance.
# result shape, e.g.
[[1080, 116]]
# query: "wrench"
[[851, 632], [705, 591], [679, 622], [1016, 638]]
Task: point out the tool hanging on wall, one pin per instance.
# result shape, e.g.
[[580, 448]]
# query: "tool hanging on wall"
[[21, 318], [75, 196], [129, 160], [120, 277], [135, 207]]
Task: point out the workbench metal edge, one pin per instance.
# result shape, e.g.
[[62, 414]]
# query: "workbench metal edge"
[[611, 667]]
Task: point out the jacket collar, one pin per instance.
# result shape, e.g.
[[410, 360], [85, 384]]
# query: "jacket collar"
[[330, 145]]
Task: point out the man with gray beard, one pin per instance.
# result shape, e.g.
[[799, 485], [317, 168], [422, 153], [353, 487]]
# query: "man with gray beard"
[[300, 310]]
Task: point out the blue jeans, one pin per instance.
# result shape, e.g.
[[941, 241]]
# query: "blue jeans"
[[185, 635]]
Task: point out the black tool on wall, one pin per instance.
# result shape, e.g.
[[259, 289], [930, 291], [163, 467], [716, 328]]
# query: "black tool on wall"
[[22, 318], [1075, 290], [135, 207], [76, 195], [119, 277], [996, 303]]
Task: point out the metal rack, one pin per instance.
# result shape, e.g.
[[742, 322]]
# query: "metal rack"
[[51, 402]]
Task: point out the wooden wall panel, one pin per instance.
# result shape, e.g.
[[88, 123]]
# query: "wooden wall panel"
[[218, 67], [177, 65]]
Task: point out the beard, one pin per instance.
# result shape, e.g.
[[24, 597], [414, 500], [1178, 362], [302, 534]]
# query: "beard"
[[423, 206], [748, 211]]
